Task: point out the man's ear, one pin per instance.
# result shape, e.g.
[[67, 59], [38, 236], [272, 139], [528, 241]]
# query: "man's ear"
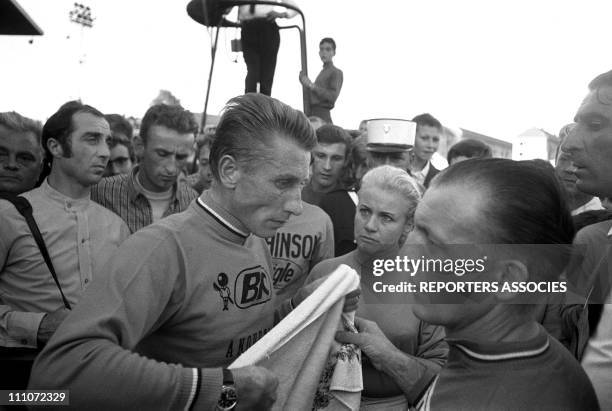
[[229, 171], [407, 229], [55, 148], [509, 271], [138, 146]]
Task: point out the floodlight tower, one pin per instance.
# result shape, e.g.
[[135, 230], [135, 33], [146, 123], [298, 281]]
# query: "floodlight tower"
[[81, 15]]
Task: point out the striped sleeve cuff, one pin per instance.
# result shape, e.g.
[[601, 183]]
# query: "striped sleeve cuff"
[[194, 388], [208, 389]]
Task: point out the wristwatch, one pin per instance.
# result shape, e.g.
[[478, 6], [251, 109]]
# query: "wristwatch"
[[227, 399]]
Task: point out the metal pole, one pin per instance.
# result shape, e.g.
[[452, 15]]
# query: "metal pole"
[[212, 66], [305, 91]]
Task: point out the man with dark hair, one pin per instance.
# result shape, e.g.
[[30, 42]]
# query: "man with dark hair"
[[152, 190], [589, 146], [187, 295], [79, 234], [20, 153], [426, 142], [121, 148], [202, 179], [120, 126], [578, 201], [329, 158], [325, 90], [121, 156], [466, 149]]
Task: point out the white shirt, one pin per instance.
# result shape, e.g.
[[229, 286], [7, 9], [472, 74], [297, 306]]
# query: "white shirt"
[[594, 204], [159, 201], [421, 175], [262, 10]]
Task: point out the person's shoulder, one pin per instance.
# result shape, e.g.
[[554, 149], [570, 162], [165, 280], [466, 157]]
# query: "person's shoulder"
[[318, 216], [337, 199], [7, 210], [185, 190], [572, 375], [108, 185], [108, 215], [598, 232], [313, 211], [32, 194], [161, 234], [112, 180]]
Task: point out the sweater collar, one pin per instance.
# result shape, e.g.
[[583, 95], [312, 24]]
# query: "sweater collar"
[[133, 187], [215, 210], [499, 351]]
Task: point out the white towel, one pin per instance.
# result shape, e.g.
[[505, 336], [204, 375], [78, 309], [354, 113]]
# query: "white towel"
[[342, 379], [297, 349]]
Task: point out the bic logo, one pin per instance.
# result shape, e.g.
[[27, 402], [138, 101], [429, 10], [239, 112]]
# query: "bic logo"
[[252, 287]]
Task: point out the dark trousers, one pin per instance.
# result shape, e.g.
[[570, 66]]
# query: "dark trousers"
[[260, 43]]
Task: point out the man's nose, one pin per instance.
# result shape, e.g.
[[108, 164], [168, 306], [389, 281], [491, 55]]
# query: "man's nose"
[[572, 142], [293, 204], [371, 225], [103, 150], [11, 163], [171, 165]]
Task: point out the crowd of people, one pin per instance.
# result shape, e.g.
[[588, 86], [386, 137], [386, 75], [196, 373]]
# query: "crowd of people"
[[134, 279]]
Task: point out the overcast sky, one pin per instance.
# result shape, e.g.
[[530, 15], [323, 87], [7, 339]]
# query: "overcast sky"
[[494, 67]]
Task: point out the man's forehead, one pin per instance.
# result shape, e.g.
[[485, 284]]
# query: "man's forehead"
[[22, 139], [285, 157], [328, 147], [87, 122], [170, 142], [429, 130], [598, 101]]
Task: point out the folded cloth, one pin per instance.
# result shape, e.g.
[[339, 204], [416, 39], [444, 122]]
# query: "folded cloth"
[[342, 379], [297, 349]]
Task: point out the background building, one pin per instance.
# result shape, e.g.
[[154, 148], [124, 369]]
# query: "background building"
[[499, 148], [535, 143]]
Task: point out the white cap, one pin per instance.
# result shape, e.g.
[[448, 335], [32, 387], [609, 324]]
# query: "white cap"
[[390, 135]]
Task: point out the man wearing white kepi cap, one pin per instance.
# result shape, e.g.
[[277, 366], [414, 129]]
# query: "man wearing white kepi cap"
[[389, 142]]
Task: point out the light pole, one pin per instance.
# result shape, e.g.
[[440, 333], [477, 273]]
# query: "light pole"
[[81, 15]]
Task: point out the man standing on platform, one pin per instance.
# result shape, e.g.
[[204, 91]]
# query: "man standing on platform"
[[260, 43], [325, 90]]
